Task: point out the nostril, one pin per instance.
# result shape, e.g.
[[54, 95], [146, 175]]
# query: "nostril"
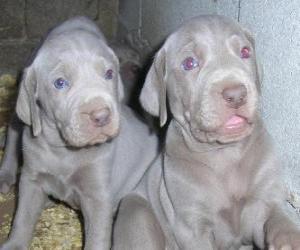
[[100, 117], [229, 99], [235, 95]]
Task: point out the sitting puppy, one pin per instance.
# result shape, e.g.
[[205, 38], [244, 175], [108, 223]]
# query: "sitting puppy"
[[220, 185], [80, 144]]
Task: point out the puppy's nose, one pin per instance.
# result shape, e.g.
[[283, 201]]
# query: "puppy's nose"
[[235, 96], [100, 117]]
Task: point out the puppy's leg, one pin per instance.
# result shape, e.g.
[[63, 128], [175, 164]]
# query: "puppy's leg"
[[281, 232], [136, 226], [31, 202], [97, 214], [9, 164]]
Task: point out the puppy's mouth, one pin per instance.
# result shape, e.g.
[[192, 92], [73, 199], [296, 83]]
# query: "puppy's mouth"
[[234, 128], [91, 141], [102, 138], [235, 124], [81, 137]]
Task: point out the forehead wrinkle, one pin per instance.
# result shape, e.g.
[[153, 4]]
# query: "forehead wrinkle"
[[186, 46], [216, 32], [59, 66], [77, 44]]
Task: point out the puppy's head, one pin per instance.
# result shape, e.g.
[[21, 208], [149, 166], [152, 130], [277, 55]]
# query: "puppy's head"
[[209, 73], [74, 85]]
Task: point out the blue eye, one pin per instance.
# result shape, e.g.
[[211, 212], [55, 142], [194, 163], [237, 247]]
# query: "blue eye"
[[109, 74], [60, 83]]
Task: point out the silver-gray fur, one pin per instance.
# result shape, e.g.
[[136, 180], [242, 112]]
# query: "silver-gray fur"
[[220, 185], [80, 144]]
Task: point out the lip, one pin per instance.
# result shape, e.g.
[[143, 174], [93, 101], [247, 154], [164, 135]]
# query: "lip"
[[235, 124]]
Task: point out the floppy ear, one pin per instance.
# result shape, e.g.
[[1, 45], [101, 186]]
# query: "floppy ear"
[[120, 88], [154, 93], [260, 75], [27, 108], [259, 68]]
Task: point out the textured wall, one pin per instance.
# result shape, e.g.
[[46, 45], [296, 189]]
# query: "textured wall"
[[276, 25], [23, 22]]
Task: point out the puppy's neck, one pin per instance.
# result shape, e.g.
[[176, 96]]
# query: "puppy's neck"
[[183, 137], [51, 134], [180, 143]]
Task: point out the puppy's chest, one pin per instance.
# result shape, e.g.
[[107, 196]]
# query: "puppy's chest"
[[59, 187], [62, 178], [234, 187], [234, 184]]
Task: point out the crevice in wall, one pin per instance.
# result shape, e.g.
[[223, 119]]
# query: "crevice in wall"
[[98, 7], [140, 19], [239, 11], [25, 21]]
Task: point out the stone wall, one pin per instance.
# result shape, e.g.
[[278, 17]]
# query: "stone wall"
[[23, 22]]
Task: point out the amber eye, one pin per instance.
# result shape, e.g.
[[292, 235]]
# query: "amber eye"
[[189, 63], [245, 52]]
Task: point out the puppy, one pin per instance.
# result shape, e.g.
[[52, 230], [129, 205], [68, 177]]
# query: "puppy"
[[220, 186], [80, 144]]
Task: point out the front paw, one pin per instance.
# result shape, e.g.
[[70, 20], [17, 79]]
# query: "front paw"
[[285, 240], [6, 181]]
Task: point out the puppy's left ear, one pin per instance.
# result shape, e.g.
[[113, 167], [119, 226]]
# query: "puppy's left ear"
[[260, 75], [120, 88], [153, 96], [258, 65], [26, 107]]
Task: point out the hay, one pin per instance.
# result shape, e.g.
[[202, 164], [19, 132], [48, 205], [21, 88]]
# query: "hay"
[[58, 229], [8, 94], [2, 139]]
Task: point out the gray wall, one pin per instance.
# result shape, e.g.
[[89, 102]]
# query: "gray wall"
[[276, 25]]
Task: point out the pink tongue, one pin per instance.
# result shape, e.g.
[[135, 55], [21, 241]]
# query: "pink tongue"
[[234, 122]]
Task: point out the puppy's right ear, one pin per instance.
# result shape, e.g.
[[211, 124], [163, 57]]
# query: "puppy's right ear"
[[259, 68], [154, 92], [27, 108]]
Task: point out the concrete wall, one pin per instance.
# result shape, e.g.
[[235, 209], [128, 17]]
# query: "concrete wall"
[[23, 22], [276, 25]]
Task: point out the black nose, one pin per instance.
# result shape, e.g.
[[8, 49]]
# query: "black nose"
[[235, 96], [100, 117]]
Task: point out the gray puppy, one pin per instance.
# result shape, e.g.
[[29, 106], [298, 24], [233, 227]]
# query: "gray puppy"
[[220, 186], [80, 144]]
